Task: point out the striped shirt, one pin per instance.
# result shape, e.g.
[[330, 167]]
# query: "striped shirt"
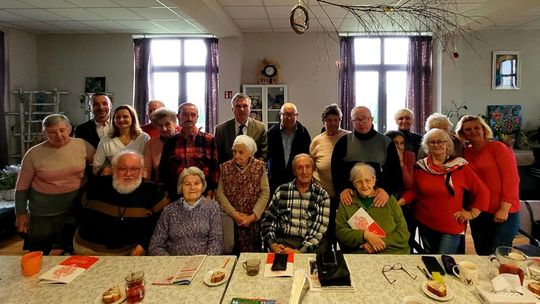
[[296, 214]]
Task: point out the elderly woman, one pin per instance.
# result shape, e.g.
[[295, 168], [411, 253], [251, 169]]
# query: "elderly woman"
[[125, 134], [164, 121], [192, 224], [441, 121], [51, 177], [243, 193], [404, 119], [389, 218], [440, 183], [496, 165]]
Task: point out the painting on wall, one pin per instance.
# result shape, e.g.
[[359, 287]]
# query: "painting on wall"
[[504, 120], [506, 71], [94, 84]]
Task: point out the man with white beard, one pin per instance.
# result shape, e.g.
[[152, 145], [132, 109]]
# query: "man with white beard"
[[119, 212]]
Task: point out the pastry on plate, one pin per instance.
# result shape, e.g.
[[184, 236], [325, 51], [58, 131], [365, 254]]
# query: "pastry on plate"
[[534, 287], [217, 276], [111, 295], [436, 288]]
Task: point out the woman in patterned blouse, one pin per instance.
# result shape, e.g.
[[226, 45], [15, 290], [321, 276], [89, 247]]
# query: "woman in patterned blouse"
[[243, 193]]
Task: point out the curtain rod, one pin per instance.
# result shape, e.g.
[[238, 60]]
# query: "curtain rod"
[[352, 34], [175, 36]]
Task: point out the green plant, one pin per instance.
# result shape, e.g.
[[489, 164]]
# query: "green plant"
[[8, 177]]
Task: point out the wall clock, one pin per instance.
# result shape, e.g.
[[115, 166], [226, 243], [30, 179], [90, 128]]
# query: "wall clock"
[[269, 70]]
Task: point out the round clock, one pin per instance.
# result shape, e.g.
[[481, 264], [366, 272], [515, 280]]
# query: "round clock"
[[269, 70]]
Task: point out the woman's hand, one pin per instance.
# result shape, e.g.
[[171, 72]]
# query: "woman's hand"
[[401, 201], [247, 220], [346, 196], [368, 248], [374, 240], [22, 223], [462, 216], [56, 252], [502, 214]]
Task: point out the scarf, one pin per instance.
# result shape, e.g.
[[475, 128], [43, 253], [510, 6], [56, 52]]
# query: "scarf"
[[446, 169]]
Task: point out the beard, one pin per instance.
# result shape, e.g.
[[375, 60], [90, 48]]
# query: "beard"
[[126, 188]]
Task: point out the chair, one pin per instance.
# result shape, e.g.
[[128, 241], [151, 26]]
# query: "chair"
[[528, 213], [228, 233]]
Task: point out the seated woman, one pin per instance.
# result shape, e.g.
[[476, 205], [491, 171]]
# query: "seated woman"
[[243, 193], [389, 218], [192, 224]]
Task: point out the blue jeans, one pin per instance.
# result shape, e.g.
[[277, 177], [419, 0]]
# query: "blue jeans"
[[437, 242], [488, 235]]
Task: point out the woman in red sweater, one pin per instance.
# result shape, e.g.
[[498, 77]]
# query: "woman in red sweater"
[[496, 165], [440, 183]]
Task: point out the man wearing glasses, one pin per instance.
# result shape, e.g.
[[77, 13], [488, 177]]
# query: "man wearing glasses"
[[371, 147], [285, 140]]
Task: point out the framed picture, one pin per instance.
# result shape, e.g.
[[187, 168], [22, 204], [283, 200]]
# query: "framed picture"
[[505, 70], [94, 84], [504, 119]]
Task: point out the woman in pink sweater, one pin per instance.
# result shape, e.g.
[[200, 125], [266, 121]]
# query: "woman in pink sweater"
[[440, 183], [496, 165]]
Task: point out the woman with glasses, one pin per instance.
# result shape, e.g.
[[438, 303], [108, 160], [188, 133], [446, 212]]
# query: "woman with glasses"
[[359, 236], [125, 134], [440, 183], [496, 165]]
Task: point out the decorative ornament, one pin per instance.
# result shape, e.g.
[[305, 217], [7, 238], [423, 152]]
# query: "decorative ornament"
[[269, 71], [299, 18]]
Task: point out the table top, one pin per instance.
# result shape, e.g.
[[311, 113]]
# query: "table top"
[[107, 272], [366, 272]]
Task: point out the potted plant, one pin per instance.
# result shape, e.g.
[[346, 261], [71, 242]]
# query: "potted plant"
[[8, 178]]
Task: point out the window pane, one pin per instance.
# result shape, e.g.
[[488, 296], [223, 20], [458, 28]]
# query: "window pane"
[[395, 96], [367, 51], [196, 94], [165, 52], [396, 50], [367, 92], [195, 53], [166, 88]]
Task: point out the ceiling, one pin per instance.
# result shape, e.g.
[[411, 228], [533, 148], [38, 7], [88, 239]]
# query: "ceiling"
[[224, 17]]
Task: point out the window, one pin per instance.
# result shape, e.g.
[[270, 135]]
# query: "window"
[[381, 77], [178, 73]]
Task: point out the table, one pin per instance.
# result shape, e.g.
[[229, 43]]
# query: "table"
[[108, 271], [371, 286]]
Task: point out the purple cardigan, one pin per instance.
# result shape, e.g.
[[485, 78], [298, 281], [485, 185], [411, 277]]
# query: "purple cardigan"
[[188, 232]]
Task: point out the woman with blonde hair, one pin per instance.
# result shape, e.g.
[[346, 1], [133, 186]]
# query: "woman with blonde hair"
[[404, 119]]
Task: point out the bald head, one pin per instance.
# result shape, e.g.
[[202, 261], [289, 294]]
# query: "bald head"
[[288, 114], [153, 105], [362, 120]]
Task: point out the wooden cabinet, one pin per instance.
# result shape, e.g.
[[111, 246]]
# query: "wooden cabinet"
[[266, 101]]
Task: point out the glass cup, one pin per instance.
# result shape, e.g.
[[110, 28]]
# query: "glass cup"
[[31, 263], [135, 287], [251, 266]]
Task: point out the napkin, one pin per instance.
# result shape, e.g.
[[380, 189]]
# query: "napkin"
[[506, 282]]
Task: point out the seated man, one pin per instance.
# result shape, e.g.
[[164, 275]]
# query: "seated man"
[[119, 212], [298, 215]]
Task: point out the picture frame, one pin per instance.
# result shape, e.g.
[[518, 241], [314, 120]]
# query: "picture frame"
[[506, 70], [94, 84]]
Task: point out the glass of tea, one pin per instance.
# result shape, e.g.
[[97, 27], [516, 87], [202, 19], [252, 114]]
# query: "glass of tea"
[[135, 287]]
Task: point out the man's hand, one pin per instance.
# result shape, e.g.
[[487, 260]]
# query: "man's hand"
[[381, 198], [57, 252], [22, 223], [290, 250], [375, 241], [346, 196], [277, 248], [137, 251]]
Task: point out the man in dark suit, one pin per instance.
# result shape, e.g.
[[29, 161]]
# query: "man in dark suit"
[[285, 140], [241, 124], [94, 129]]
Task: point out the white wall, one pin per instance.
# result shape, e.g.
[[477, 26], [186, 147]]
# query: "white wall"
[[65, 60], [469, 78], [230, 73]]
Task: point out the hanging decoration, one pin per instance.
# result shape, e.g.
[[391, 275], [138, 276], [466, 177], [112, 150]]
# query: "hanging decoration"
[[299, 18]]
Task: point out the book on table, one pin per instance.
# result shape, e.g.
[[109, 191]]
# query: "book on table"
[[185, 274], [361, 220], [68, 269], [252, 301], [288, 272]]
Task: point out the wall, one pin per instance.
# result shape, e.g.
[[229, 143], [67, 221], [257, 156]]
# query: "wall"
[[469, 78], [65, 60], [230, 73]]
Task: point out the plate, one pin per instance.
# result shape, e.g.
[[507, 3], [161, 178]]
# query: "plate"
[[449, 295], [526, 287], [207, 279], [122, 296]]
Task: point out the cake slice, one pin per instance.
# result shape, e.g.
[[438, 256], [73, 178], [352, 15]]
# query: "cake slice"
[[111, 295], [436, 288]]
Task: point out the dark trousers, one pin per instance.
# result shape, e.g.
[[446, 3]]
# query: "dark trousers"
[[488, 235]]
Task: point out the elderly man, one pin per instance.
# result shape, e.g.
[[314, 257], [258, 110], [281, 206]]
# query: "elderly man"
[[285, 141], [241, 124], [94, 129], [190, 147], [151, 107], [298, 215], [164, 121], [368, 146], [120, 212]]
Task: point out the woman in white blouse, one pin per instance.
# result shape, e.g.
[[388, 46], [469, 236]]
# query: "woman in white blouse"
[[125, 134]]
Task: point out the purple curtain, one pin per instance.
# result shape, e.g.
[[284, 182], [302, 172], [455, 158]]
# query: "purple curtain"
[[3, 136], [419, 98], [142, 72], [346, 80], [212, 78]]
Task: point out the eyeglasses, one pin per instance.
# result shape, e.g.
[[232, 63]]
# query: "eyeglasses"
[[436, 142], [362, 119], [288, 115], [126, 170], [396, 266]]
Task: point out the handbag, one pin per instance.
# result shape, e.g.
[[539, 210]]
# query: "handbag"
[[335, 272]]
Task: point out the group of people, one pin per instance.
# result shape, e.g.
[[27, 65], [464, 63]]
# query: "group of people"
[[118, 188]]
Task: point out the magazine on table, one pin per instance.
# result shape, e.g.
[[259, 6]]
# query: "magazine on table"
[[186, 273], [288, 272], [315, 284], [68, 269], [361, 220]]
